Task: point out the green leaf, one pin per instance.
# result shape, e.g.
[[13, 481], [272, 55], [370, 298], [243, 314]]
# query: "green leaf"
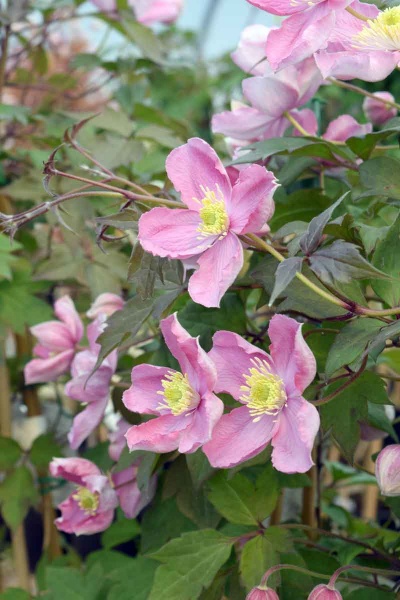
[[6, 257], [119, 532], [15, 594], [378, 177], [378, 418], [148, 42], [10, 112], [199, 468], [133, 582], [285, 273], [261, 553], [10, 453], [312, 237], [161, 522], [301, 205], [190, 564], [343, 414], [350, 343], [387, 258], [363, 147], [241, 502], [17, 494], [43, 450], [365, 594], [388, 332]]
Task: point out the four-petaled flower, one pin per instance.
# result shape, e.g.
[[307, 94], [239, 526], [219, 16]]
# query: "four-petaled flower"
[[270, 388], [217, 214], [184, 403]]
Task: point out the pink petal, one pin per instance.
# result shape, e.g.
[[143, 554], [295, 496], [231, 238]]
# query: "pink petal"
[[74, 520], [156, 11], [237, 438], [117, 439], [194, 166], [344, 127], [218, 269], [378, 112], [300, 36], [87, 421], [205, 417], [282, 7], [307, 120], [65, 310], [232, 356], [252, 204], [142, 396], [131, 499], [106, 304], [293, 359], [172, 233], [192, 359], [243, 123], [270, 95], [308, 78], [349, 64], [250, 53], [40, 370], [157, 435], [73, 469], [53, 335], [94, 330], [85, 385], [294, 439]]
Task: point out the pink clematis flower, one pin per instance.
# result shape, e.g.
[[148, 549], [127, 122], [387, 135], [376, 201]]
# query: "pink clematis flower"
[[259, 593], [90, 509], [339, 130], [325, 592], [57, 344], [270, 388], [250, 54], [92, 389], [218, 213], [184, 403], [305, 32], [106, 304], [377, 111], [360, 49], [387, 470], [270, 97], [147, 12]]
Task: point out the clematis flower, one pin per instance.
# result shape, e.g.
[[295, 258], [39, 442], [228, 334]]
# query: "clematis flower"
[[90, 388], [258, 593], [377, 111], [250, 54], [270, 97], [57, 344], [131, 498], [305, 32], [90, 508], [117, 439], [324, 592], [339, 130], [387, 470], [147, 12], [106, 304], [218, 213], [270, 388], [367, 50], [185, 407]]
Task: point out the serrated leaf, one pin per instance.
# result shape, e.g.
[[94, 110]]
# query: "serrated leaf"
[[284, 274], [312, 237], [10, 453], [387, 258], [350, 343], [364, 146], [378, 177], [387, 332], [190, 564]]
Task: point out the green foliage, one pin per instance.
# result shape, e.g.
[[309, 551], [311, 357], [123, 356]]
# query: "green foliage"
[[10, 453], [17, 494], [43, 450]]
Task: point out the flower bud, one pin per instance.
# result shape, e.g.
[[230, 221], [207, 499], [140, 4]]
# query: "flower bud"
[[258, 593], [378, 112], [387, 470], [324, 592]]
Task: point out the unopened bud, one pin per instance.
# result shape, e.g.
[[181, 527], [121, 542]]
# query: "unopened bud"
[[377, 111], [387, 470], [258, 593], [324, 592]]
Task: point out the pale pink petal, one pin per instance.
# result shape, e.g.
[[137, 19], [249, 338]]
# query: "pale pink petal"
[[294, 439], [243, 123], [192, 359], [73, 469], [349, 64], [282, 7], [40, 370], [117, 439], [270, 95], [74, 520], [205, 417], [236, 438], [293, 359], [218, 268], [387, 470], [308, 78], [53, 335], [94, 330], [106, 304], [307, 119], [65, 310], [194, 167], [300, 36], [157, 435], [250, 53], [344, 127], [132, 500], [87, 421], [252, 204], [142, 397], [156, 11], [173, 233], [232, 356], [377, 111]]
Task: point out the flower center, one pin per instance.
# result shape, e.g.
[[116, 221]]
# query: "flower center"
[[213, 215], [177, 393], [88, 501], [264, 392], [382, 33]]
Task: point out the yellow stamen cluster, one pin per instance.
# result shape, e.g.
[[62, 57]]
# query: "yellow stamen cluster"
[[177, 393], [88, 501], [213, 215], [382, 33], [264, 392]]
